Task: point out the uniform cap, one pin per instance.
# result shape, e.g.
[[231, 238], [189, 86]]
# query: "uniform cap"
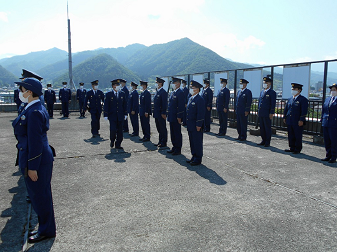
[[243, 81], [333, 85], [31, 84], [223, 80], [116, 82], [183, 81], [196, 84], [206, 81], [174, 79], [95, 82], [267, 79], [81, 84], [64, 83], [143, 83], [122, 80], [30, 74], [48, 85], [159, 80], [296, 85], [133, 84]]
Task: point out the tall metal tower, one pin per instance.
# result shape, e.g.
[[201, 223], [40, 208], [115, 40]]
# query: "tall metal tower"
[[71, 82]]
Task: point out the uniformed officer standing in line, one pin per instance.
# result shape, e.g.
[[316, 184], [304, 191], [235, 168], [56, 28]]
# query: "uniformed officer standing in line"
[[267, 102], [207, 94], [50, 99], [65, 98], [195, 114], [133, 108], [159, 112], [243, 103], [186, 93], [329, 124], [145, 111], [35, 157], [17, 99], [80, 95], [222, 102], [295, 112], [176, 107], [95, 97], [115, 109], [126, 91]]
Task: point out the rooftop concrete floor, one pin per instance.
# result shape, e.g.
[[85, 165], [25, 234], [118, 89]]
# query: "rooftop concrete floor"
[[242, 198]]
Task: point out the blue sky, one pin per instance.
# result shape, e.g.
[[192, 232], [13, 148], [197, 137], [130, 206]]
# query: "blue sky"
[[251, 31]]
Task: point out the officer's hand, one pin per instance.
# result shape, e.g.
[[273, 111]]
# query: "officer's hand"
[[209, 108], [125, 117], [69, 101], [271, 116], [133, 112], [146, 114], [284, 121], [33, 175], [179, 120], [198, 128], [300, 123], [163, 116], [225, 110], [246, 113], [185, 105], [105, 118]]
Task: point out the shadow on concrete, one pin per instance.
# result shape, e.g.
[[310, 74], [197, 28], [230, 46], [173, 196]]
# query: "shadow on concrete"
[[95, 140], [202, 170], [117, 155]]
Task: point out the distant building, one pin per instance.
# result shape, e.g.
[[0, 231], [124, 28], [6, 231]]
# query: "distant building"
[[319, 86]]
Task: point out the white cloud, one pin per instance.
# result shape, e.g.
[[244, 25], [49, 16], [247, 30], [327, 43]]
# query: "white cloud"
[[330, 57], [4, 16]]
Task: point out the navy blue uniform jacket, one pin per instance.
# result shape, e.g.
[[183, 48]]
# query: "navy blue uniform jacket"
[[176, 106], [115, 108], [186, 93], [30, 129], [243, 101], [49, 97], [195, 113], [222, 99], [95, 101], [296, 110], [208, 97], [267, 102], [160, 103], [81, 94], [329, 114], [65, 95], [16, 97], [133, 102], [145, 103]]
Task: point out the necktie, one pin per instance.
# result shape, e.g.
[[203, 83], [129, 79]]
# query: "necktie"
[[332, 100], [189, 100]]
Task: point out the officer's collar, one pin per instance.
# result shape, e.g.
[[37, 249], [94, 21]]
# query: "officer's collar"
[[266, 89], [243, 89], [31, 103]]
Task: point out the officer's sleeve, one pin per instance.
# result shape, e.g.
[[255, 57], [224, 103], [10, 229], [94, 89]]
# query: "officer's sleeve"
[[227, 97], [304, 109], [35, 144], [210, 98], [285, 110], [45, 99], [106, 105], [164, 103], [125, 105], [147, 103], [272, 102], [54, 96], [181, 105], [78, 94], [60, 94], [201, 110], [86, 100], [249, 101], [69, 94], [135, 101]]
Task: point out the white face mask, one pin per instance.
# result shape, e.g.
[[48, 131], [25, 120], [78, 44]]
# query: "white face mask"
[[81, 87], [265, 85], [333, 93], [65, 86], [117, 88], [156, 85], [241, 86], [294, 92], [23, 99], [95, 87], [49, 88], [192, 91]]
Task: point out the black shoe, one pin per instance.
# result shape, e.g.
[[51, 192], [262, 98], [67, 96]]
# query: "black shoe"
[[206, 130], [288, 150], [111, 145], [119, 147], [331, 161], [170, 151], [262, 143], [32, 233], [156, 144], [162, 145], [242, 140], [125, 131], [37, 238], [28, 199], [93, 136], [146, 140], [325, 159], [238, 138], [132, 135], [296, 152], [189, 161], [267, 145], [176, 153], [194, 164]]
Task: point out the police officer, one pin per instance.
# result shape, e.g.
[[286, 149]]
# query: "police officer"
[[267, 102], [95, 97], [126, 91], [133, 108], [195, 114], [50, 99], [17, 99], [176, 107], [186, 93], [65, 98], [145, 111], [80, 95], [159, 112], [35, 157], [243, 103], [207, 94], [329, 124], [294, 116], [115, 109], [222, 102]]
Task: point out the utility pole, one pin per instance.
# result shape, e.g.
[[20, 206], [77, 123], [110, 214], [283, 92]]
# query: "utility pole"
[[71, 82]]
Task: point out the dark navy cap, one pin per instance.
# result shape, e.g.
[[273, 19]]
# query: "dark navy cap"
[[95, 82], [143, 83], [223, 80], [196, 84], [183, 81], [116, 82], [333, 85], [206, 81], [31, 84], [64, 83], [174, 79], [243, 81], [81, 84], [30, 74], [267, 79], [48, 85], [122, 80], [133, 84], [159, 80], [296, 85]]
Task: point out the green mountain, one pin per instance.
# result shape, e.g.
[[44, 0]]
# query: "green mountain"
[[102, 67], [33, 61], [7, 78]]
